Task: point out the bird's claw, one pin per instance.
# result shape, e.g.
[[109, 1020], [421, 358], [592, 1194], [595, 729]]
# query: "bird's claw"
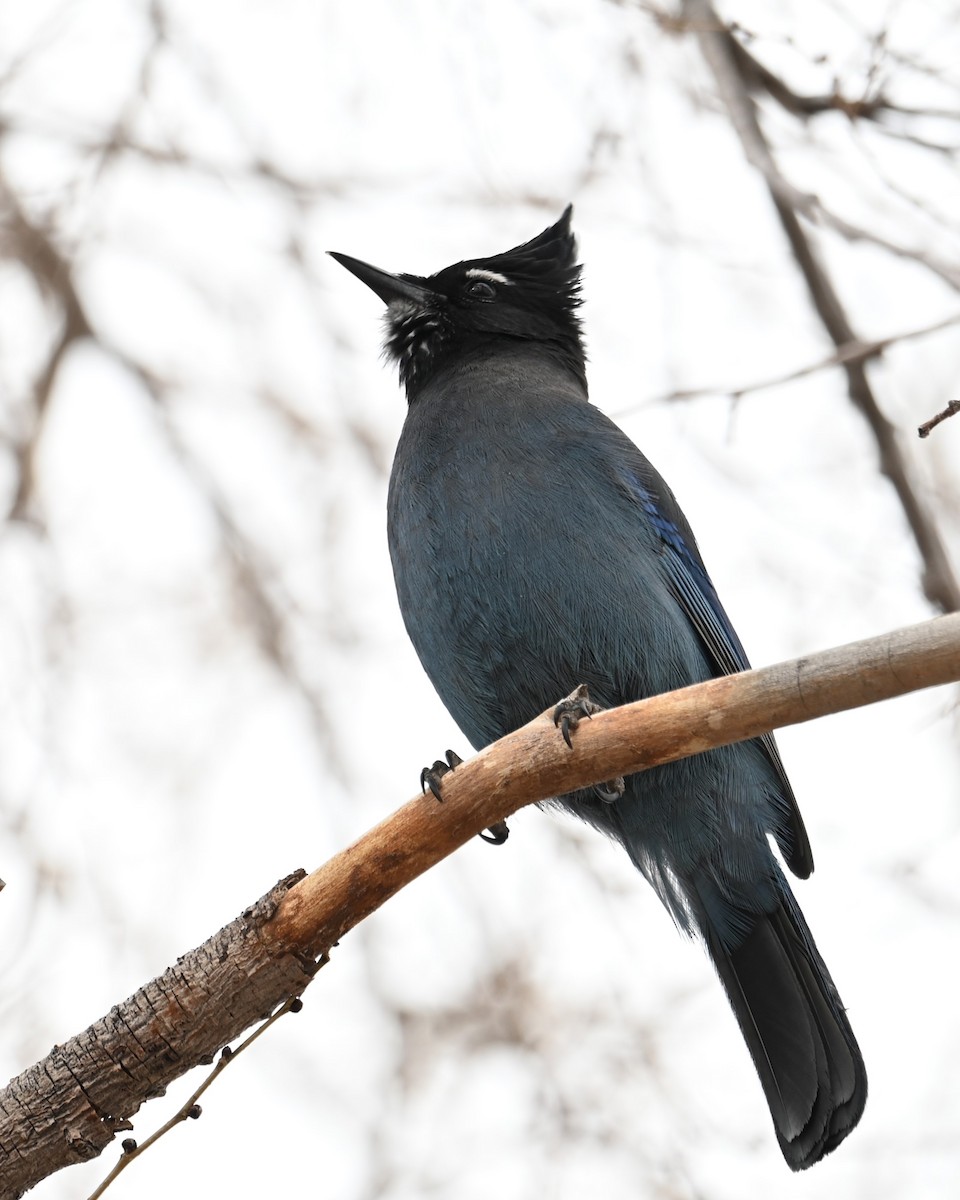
[[497, 834], [431, 776], [567, 716], [611, 791], [570, 711]]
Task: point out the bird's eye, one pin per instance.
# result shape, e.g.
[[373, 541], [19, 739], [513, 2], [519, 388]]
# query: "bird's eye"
[[480, 289]]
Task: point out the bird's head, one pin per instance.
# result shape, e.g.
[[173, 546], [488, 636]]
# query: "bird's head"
[[528, 294]]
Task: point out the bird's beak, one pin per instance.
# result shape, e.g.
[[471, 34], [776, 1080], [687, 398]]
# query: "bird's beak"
[[388, 287]]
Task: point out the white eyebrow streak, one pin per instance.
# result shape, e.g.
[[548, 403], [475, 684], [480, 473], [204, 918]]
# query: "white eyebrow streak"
[[491, 276]]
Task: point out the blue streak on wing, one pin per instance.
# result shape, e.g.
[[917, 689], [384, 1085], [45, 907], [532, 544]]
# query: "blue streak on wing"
[[697, 596], [694, 589]]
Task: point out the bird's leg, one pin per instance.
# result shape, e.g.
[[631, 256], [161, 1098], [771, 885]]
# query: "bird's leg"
[[431, 777], [567, 716]]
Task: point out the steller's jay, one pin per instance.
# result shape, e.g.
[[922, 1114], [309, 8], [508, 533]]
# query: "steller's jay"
[[534, 549]]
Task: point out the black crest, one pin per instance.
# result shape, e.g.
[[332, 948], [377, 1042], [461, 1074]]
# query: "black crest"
[[545, 268], [530, 293]]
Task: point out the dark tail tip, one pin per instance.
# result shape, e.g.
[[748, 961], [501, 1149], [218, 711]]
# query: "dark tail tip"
[[798, 1034]]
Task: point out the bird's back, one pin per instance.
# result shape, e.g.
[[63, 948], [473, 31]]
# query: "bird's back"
[[521, 564], [525, 566]]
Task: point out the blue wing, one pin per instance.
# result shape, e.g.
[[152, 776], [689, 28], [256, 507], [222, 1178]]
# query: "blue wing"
[[698, 598], [695, 591]]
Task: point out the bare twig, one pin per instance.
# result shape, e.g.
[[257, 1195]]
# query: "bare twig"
[[69, 1108], [759, 77], [744, 75], [950, 411], [32, 244], [190, 1109], [854, 352], [945, 269], [720, 51], [252, 576], [28, 241]]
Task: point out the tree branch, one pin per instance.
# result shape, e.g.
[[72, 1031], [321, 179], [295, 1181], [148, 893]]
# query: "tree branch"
[[70, 1106], [722, 55], [850, 352], [951, 410], [35, 247], [760, 77]]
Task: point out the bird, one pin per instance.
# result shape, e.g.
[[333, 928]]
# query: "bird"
[[535, 549]]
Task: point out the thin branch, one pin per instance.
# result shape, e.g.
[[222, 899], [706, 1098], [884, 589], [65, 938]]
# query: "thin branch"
[[759, 77], [922, 207], [850, 353], [94, 144], [945, 149], [70, 1106], [815, 211], [716, 38], [251, 574], [870, 108], [190, 1109], [719, 50], [32, 244], [950, 411]]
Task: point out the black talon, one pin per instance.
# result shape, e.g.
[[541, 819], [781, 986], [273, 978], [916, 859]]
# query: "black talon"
[[611, 791], [567, 716], [498, 834], [569, 712], [431, 776]]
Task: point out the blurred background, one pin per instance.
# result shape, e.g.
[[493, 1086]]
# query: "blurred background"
[[204, 679]]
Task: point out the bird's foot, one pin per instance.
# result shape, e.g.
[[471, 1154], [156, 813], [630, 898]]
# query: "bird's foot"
[[497, 834], [572, 709], [431, 776], [567, 716], [611, 791]]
